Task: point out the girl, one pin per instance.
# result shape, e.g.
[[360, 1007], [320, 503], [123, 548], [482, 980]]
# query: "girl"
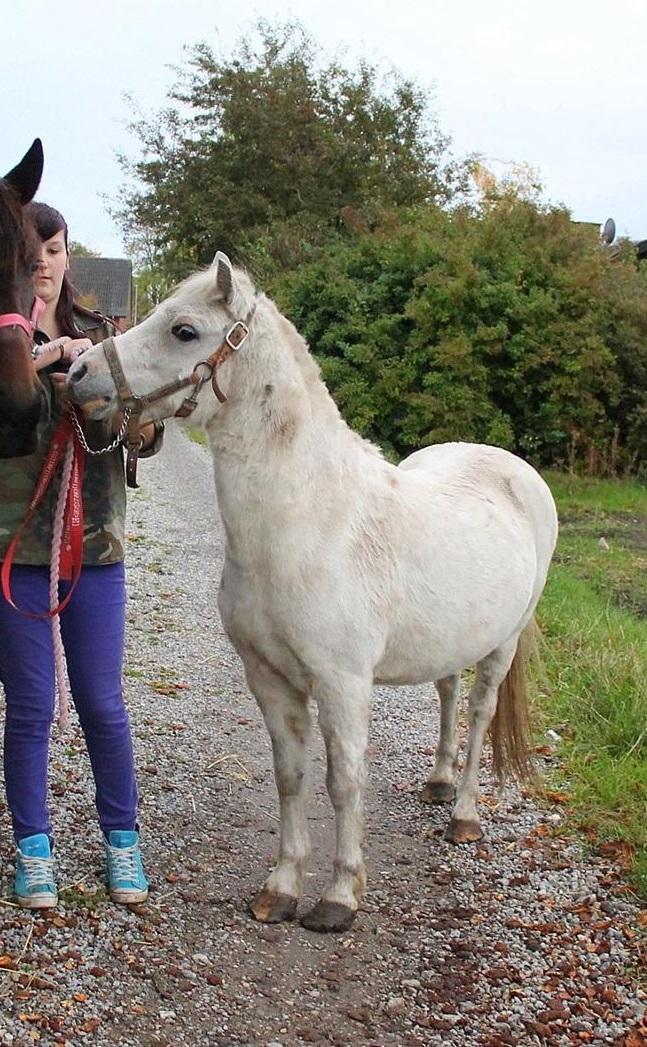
[[92, 624]]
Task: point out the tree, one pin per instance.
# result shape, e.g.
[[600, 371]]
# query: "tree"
[[623, 325], [81, 251], [151, 287], [264, 152]]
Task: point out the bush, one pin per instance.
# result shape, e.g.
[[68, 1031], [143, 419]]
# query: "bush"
[[505, 325]]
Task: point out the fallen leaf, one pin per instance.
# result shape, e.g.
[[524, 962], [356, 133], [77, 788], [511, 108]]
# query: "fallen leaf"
[[620, 851], [91, 1025], [633, 1039], [166, 687], [555, 797]]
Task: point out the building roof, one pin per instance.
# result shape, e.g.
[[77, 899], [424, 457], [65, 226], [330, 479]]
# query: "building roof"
[[103, 283]]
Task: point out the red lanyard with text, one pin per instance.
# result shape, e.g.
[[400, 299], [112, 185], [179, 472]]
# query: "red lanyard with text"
[[71, 555]]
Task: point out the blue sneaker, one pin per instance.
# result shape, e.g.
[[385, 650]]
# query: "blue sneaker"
[[34, 885], [127, 884]]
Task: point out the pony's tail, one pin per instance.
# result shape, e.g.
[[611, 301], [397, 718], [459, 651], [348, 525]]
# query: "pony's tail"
[[510, 727]]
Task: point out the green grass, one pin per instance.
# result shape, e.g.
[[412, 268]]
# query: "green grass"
[[196, 434], [579, 493], [73, 898], [593, 619]]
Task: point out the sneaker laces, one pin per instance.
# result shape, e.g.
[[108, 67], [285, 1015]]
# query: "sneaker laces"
[[123, 862], [39, 872]]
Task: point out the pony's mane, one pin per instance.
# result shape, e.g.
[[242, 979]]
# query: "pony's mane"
[[313, 381]]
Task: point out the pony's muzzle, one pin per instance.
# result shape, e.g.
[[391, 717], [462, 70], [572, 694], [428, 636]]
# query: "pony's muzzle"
[[86, 387]]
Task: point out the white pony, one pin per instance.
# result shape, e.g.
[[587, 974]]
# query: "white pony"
[[341, 569]]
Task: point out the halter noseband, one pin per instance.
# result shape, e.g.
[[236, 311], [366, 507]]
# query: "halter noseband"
[[232, 339], [18, 320]]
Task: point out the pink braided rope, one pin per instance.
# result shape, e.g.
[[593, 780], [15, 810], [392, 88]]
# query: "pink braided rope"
[[63, 708]]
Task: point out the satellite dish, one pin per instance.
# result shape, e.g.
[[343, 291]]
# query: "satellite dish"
[[608, 231]]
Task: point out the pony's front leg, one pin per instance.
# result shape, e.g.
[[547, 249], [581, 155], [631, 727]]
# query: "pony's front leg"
[[465, 825], [344, 720], [288, 721], [441, 785]]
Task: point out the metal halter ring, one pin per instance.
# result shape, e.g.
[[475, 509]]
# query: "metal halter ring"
[[203, 363]]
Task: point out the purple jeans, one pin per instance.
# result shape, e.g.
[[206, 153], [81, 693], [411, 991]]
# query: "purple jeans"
[[92, 626]]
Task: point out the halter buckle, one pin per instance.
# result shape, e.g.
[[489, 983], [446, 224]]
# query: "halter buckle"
[[237, 331]]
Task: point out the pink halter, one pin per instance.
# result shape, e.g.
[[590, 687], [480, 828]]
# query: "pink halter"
[[18, 320]]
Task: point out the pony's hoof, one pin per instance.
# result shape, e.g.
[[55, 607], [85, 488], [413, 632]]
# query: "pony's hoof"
[[328, 916], [273, 908], [461, 830], [438, 792]]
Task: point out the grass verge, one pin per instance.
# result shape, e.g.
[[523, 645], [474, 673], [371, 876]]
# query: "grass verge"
[[593, 619]]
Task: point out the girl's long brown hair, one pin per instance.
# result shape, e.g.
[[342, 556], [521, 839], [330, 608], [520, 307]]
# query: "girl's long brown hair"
[[48, 221]]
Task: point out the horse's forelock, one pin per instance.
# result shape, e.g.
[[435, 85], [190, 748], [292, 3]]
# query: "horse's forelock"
[[11, 227], [18, 240]]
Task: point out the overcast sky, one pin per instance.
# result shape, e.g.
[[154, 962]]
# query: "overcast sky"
[[558, 84]]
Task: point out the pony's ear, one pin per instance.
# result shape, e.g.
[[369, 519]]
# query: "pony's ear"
[[224, 275], [25, 176]]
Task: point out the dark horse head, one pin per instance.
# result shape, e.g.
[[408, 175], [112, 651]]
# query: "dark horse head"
[[21, 393]]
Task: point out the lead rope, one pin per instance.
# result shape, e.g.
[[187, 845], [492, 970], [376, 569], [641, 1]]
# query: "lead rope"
[[62, 686], [60, 664]]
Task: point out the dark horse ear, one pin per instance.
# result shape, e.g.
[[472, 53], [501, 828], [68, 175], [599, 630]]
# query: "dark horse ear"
[[25, 176]]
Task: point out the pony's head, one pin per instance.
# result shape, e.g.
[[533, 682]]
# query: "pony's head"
[[166, 349]]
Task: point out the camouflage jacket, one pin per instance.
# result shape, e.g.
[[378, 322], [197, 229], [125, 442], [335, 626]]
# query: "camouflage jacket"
[[104, 493]]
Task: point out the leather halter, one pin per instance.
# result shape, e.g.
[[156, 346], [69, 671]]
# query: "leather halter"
[[205, 370], [18, 320]]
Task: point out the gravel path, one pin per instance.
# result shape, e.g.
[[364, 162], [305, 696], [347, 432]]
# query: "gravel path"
[[519, 940]]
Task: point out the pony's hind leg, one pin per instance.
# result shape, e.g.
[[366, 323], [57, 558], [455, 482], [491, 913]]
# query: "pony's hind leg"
[[441, 785], [344, 723], [286, 715], [465, 826]]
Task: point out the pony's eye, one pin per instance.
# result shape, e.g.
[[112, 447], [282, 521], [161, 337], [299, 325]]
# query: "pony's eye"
[[185, 332]]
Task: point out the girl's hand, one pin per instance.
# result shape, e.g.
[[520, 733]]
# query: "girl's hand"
[[60, 350], [74, 347], [49, 353]]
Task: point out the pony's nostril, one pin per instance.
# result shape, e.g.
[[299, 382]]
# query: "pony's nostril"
[[79, 372]]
